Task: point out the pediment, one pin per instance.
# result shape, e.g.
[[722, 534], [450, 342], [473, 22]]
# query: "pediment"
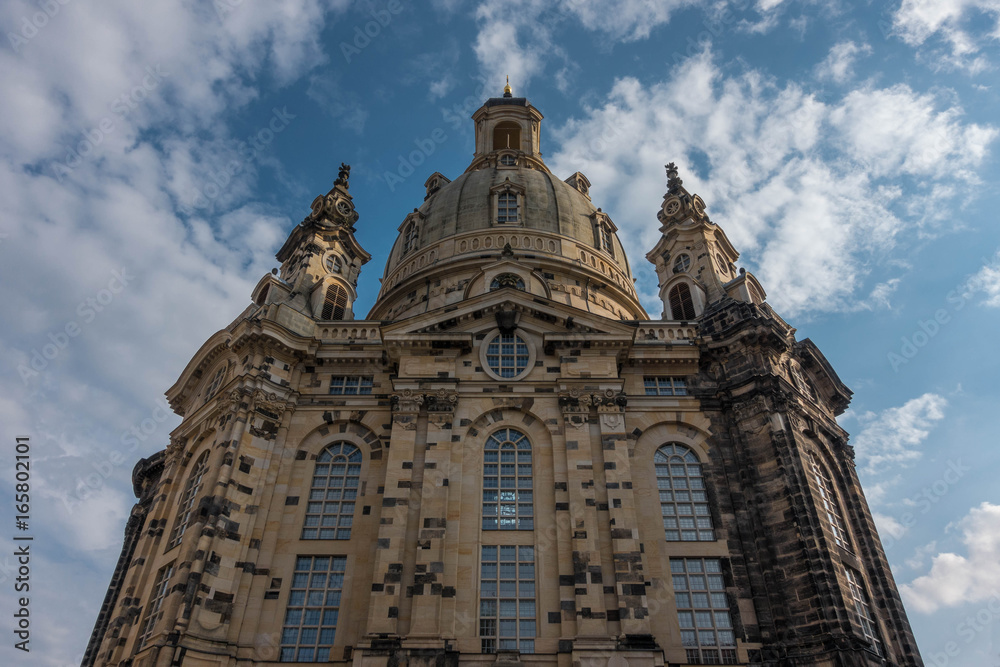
[[480, 314]]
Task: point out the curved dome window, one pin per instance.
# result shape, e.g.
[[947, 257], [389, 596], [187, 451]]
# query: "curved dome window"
[[507, 207], [507, 160], [507, 355], [682, 263], [507, 280]]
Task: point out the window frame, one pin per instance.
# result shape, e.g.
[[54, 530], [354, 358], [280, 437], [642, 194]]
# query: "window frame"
[[486, 356], [186, 500], [862, 612], [321, 609], [693, 504], [491, 589], [518, 497], [664, 385], [153, 613], [360, 383], [333, 495], [716, 601], [831, 515], [683, 302], [335, 303]]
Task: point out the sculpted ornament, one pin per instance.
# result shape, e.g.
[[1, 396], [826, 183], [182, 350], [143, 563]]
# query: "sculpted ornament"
[[407, 401], [270, 403]]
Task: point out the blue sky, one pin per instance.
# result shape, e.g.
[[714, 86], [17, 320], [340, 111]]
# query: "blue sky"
[[849, 151]]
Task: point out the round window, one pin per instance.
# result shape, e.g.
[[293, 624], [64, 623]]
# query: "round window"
[[682, 263], [507, 160], [507, 355]]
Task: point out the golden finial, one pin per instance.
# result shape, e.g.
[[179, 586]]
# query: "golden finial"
[[507, 91]]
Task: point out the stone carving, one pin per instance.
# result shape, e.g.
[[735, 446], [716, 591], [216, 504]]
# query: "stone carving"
[[407, 401], [343, 175]]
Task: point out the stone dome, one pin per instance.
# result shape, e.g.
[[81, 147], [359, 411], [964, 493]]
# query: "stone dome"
[[558, 239]]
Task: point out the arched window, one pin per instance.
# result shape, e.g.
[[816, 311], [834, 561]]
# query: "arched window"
[[831, 510], [335, 303], [185, 504], [683, 500], [507, 497], [507, 135], [216, 382], [681, 304], [507, 207], [330, 512]]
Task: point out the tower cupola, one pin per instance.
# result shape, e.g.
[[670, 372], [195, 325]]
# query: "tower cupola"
[[695, 262], [507, 128]]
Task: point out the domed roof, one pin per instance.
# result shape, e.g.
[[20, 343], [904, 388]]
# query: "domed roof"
[[507, 206], [465, 205]]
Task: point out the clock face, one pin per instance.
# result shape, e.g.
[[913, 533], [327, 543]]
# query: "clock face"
[[317, 205], [343, 207], [699, 205]]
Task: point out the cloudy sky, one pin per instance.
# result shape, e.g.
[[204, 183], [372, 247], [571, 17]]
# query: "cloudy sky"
[[153, 157]]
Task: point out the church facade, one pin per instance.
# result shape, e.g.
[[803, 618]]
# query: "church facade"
[[507, 460]]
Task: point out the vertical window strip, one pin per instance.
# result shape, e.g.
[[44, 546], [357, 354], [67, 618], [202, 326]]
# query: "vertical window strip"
[[683, 499], [507, 615], [154, 608], [507, 207], [664, 386], [831, 509], [310, 627], [863, 609], [606, 243], [185, 509], [351, 385], [330, 510], [508, 502], [703, 611]]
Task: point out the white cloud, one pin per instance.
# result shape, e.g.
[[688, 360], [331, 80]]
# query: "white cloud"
[[839, 64], [897, 131], [964, 26], [161, 77], [894, 436], [779, 168], [987, 281], [888, 525], [515, 38], [955, 579]]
